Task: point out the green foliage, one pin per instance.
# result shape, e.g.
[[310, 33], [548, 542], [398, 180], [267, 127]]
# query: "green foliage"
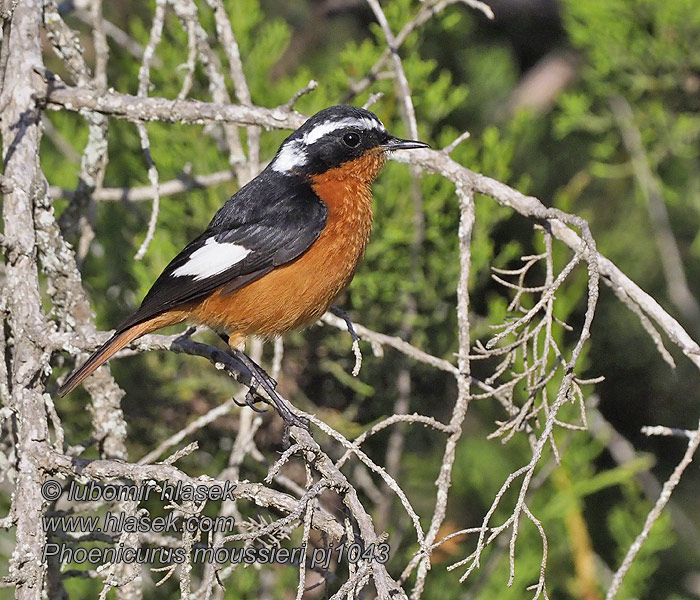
[[639, 50]]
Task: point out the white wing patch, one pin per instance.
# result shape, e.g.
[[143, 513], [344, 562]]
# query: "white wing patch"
[[211, 259], [328, 126], [290, 156]]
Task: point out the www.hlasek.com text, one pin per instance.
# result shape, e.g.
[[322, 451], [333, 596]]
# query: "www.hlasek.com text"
[[123, 523]]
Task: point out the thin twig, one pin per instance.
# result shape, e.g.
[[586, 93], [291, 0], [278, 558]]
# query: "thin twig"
[[307, 89], [651, 430], [669, 254], [654, 513], [143, 193], [450, 148], [144, 81]]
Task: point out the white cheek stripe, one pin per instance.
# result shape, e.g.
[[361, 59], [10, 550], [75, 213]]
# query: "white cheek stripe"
[[211, 259], [291, 155]]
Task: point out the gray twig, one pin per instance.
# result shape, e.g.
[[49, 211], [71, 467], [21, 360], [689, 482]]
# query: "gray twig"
[[655, 513]]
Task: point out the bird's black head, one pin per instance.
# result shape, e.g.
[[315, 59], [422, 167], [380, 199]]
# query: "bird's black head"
[[336, 136]]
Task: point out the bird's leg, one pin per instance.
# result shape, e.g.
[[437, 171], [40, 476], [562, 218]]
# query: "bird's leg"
[[235, 346], [339, 312], [282, 405], [357, 536], [252, 397], [268, 384]]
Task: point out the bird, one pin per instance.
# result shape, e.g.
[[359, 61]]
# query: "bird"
[[279, 250]]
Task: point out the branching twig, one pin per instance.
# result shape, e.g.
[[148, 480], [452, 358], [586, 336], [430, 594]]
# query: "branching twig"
[[427, 12], [307, 89], [531, 207]]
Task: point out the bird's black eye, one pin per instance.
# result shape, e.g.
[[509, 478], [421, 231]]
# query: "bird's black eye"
[[351, 139]]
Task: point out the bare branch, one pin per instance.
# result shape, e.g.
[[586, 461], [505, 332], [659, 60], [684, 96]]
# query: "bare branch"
[[529, 206], [25, 360], [381, 339], [402, 81], [134, 108], [450, 148], [427, 12], [466, 226], [101, 46], [230, 45], [307, 89], [144, 82], [651, 430]]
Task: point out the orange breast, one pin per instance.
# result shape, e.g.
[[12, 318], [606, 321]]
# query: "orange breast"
[[299, 292]]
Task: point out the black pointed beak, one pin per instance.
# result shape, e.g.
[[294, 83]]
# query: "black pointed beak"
[[394, 143]]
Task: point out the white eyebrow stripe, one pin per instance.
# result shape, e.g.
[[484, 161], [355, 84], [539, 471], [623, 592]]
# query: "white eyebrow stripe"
[[290, 156], [211, 259], [328, 126]]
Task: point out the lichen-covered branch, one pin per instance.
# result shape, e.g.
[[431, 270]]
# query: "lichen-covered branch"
[[133, 108], [23, 353]]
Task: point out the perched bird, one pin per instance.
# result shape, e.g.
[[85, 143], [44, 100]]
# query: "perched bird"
[[280, 249]]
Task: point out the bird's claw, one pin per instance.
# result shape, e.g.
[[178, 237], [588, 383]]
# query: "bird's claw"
[[251, 399]]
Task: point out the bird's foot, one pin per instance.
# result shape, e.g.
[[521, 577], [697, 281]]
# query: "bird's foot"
[[251, 399], [259, 379]]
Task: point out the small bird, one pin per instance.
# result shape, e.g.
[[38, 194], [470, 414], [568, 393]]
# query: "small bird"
[[280, 249]]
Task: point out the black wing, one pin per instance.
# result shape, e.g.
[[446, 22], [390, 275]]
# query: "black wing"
[[275, 217]]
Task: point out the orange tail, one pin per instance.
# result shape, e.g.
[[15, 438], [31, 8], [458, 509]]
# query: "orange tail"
[[104, 353]]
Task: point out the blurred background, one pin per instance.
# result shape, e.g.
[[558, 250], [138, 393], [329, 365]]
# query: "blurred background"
[[593, 107]]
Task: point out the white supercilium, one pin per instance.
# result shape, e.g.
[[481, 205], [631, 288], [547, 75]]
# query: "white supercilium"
[[327, 127], [292, 155]]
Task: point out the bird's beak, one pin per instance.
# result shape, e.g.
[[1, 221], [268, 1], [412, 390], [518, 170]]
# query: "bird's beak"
[[395, 143]]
